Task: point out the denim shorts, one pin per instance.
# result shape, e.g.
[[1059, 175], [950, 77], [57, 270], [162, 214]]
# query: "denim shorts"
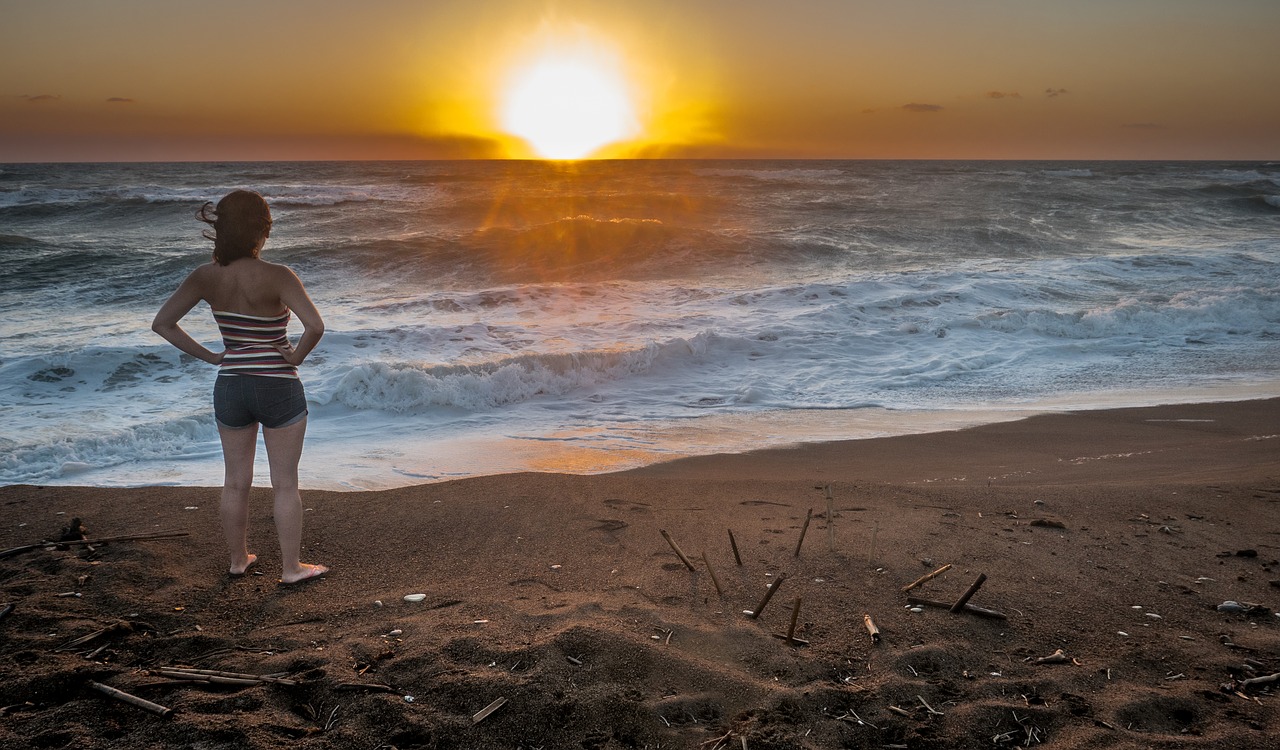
[[239, 401]]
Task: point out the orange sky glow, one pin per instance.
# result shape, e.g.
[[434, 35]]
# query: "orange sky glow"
[[140, 80]]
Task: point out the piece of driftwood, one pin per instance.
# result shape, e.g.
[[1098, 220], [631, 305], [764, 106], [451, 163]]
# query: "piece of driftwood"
[[711, 572], [803, 529], [773, 587], [1057, 657], [487, 710], [371, 687], [964, 598], [679, 553], [734, 543], [932, 711], [196, 674], [872, 630], [132, 700], [209, 678], [970, 608], [795, 615], [120, 626], [1255, 681], [926, 578], [102, 540]]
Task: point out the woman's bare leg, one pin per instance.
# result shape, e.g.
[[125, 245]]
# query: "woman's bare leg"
[[237, 457], [284, 449]]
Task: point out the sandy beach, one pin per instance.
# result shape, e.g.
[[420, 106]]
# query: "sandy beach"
[[1107, 537]]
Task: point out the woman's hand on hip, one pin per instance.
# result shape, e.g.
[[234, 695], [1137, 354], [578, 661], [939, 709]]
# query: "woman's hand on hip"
[[289, 354]]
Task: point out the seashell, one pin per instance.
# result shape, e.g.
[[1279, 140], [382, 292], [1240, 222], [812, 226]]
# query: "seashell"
[[414, 597]]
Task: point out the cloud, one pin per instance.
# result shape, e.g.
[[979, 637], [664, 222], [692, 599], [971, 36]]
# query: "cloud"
[[120, 100], [1051, 93], [1143, 125], [1003, 95], [915, 107], [37, 98]]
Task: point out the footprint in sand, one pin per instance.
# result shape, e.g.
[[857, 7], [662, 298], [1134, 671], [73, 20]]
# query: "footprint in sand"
[[632, 505], [531, 582], [610, 525]]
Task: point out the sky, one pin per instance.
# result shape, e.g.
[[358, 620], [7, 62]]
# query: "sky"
[[169, 80]]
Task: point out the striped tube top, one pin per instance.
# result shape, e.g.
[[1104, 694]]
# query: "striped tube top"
[[248, 340]]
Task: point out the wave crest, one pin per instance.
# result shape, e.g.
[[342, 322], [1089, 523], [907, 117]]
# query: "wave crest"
[[38, 462], [404, 387]]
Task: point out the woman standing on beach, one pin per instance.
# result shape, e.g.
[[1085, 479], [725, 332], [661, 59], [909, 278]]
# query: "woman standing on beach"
[[258, 377]]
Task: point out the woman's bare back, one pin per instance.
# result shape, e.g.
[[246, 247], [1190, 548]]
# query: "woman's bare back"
[[248, 286]]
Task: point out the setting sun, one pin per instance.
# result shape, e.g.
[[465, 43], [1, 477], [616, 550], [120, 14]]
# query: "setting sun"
[[568, 104]]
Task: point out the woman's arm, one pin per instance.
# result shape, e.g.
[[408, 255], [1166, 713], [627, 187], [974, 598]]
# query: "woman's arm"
[[173, 310], [295, 297]]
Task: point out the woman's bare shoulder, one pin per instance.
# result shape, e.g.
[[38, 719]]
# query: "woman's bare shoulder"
[[280, 271], [203, 273]]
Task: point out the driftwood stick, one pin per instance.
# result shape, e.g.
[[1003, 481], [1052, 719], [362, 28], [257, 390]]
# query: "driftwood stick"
[[964, 599], [102, 540], [795, 615], [234, 675], [484, 712], [678, 551], [926, 578], [120, 626], [773, 587], [803, 529], [872, 630], [970, 608], [213, 679], [1252, 681], [929, 708], [132, 700], [372, 687], [734, 543], [711, 571]]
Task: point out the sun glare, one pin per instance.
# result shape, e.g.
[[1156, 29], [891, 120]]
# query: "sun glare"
[[568, 104]]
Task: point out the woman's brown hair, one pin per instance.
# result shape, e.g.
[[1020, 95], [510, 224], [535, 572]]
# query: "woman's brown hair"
[[240, 221]]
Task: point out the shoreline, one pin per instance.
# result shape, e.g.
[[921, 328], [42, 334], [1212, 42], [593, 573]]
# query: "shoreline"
[[380, 463], [1112, 535]]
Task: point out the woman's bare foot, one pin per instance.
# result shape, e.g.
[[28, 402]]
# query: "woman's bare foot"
[[305, 572], [239, 570]]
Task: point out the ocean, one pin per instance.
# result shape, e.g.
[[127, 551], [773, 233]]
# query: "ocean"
[[496, 316]]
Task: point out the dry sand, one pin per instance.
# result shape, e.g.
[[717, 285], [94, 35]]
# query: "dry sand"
[[558, 594]]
